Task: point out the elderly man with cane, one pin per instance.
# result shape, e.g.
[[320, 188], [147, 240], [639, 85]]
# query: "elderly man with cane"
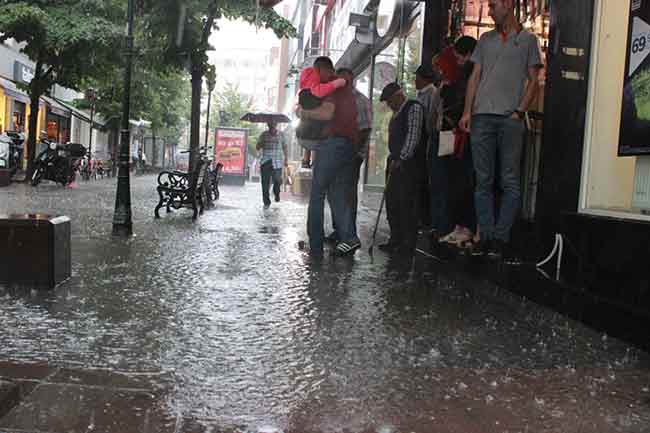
[[407, 159]]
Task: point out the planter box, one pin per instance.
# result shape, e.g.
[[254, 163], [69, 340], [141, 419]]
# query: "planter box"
[[34, 250]]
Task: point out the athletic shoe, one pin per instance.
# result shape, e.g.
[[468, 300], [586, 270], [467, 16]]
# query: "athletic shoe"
[[347, 248]]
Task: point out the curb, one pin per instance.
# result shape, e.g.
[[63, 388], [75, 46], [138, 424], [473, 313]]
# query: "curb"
[[9, 396]]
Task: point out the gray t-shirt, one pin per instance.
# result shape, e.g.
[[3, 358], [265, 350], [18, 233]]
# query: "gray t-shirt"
[[504, 70]]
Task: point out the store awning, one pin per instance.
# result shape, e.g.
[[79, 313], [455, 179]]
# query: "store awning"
[[57, 108], [80, 114], [358, 55], [11, 90]]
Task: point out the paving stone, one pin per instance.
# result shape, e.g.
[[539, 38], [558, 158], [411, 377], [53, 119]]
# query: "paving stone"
[[77, 409], [9, 396]]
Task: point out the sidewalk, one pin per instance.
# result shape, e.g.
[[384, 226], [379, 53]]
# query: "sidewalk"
[[224, 325], [49, 399]]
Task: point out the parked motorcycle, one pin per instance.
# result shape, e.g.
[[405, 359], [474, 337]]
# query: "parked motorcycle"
[[11, 150], [5, 151], [58, 163]]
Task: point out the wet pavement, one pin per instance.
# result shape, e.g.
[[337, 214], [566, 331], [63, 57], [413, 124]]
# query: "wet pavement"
[[225, 325]]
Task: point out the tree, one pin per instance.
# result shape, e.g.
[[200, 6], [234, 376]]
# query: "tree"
[[159, 95], [67, 40], [231, 105], [188, 25]]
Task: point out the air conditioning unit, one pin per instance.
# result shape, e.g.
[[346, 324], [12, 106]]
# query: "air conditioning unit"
[[641, 194]]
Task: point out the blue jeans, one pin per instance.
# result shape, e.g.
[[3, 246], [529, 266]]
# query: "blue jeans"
[[332, 167], [495, 137], [348, 180], [439, 188]]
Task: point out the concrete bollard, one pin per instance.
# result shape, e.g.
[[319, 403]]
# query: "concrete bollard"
[[34, 250]]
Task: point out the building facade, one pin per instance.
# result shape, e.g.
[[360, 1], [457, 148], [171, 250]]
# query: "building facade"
[[58, 119]]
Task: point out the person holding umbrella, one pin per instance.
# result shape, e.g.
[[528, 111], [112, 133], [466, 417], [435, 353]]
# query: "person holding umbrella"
[[273, 158]]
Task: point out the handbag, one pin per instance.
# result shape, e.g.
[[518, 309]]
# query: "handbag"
[[447, 143]]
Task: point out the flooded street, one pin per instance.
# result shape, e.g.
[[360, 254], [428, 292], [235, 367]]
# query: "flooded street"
[[242, 331]]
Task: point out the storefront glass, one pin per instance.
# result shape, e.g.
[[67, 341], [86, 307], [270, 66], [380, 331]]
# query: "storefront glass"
[[609, 183], [19, 116], [58, 128], [3, 105], [397, 62]]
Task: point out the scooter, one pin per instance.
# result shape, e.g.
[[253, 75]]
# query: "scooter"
[[58, 163], [5, 151], [15, 150]]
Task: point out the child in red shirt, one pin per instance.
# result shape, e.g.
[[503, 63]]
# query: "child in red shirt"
[[311, 95]]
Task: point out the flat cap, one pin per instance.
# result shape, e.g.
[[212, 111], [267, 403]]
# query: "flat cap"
[[389, 91], [427, 72]]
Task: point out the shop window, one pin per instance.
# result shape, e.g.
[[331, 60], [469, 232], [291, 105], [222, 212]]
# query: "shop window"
[[608, 180], [18, 117]]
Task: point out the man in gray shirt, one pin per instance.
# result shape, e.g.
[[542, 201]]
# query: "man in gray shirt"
[[503, 84]]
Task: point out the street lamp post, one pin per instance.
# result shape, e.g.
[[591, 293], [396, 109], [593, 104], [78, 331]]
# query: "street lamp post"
[[211, 79], [91, 95], [122, 222]]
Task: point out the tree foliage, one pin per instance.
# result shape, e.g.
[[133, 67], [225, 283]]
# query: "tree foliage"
[[185, 42], [182, 29], [229, 106], [67, 40]]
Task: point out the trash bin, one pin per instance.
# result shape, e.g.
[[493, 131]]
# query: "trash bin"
[[34, 250]]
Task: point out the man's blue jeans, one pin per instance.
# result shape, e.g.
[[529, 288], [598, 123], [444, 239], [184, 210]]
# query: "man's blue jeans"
[[493, 137], [348, 180], [333, 164]]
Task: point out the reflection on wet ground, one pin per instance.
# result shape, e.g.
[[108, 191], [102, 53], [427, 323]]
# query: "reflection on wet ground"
[[243, 330]]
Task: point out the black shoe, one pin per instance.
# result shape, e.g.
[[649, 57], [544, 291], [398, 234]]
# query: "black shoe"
[[277, 197], [267, 205], [495, 249], [306, 164], [480, 249]]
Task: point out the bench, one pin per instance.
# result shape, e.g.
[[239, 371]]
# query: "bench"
[[213, 185], [177, 189]]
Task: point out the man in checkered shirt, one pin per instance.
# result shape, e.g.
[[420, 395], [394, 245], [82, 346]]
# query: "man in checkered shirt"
[[273, 157]]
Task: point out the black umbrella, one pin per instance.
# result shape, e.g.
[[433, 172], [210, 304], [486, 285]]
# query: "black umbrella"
[[263, 117]]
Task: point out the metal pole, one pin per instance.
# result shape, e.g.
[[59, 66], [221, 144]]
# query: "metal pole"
[[92, 119], [207, 121], [371, 96], [122, 222]]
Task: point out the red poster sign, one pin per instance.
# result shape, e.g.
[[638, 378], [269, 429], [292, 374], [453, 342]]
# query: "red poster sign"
[[230, 150]]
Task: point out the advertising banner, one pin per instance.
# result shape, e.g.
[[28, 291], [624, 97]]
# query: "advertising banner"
[[635, 117], [230, 150]]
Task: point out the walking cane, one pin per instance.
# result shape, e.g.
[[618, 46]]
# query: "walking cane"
[[381, 207]]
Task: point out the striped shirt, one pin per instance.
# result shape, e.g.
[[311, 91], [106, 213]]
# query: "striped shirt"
[[272, 148], [415, 126]]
